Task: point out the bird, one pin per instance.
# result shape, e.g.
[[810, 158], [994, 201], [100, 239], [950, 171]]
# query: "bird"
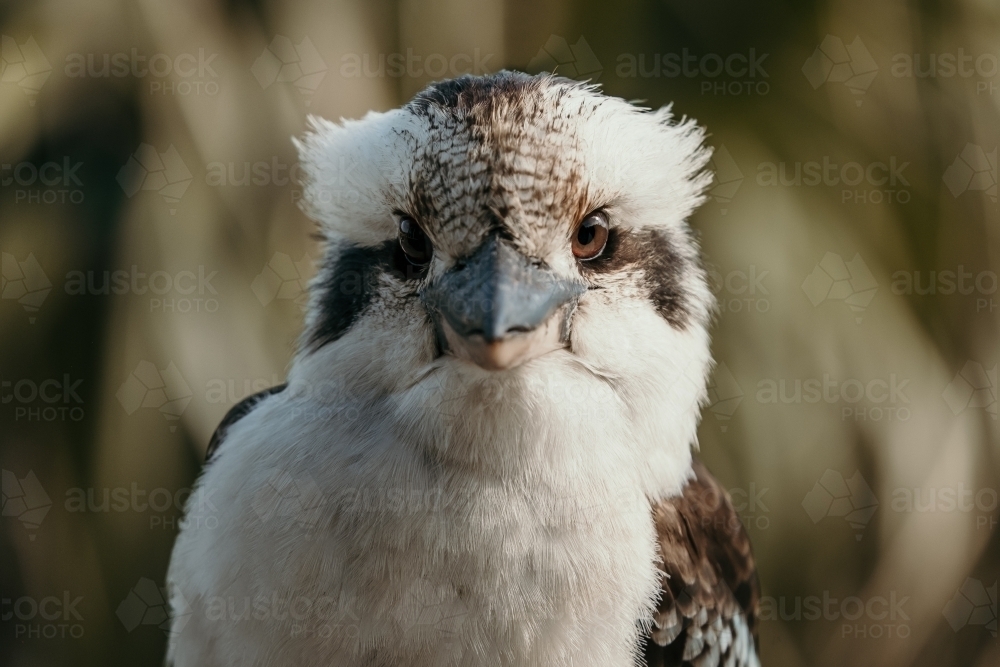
[[484, 452]]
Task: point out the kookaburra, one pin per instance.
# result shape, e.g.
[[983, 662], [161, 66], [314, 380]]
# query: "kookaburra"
[[486, 434]]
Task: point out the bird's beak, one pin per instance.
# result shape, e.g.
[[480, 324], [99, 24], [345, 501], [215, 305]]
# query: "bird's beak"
[[498, 309]]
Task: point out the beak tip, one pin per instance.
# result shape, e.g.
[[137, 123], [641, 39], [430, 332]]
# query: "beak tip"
[[503, 352], [498, 305]]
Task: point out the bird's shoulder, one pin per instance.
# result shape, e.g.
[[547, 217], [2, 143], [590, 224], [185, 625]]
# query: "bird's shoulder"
[[708, 608], [236, 413]]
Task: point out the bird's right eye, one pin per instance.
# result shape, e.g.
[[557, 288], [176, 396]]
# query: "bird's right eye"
[[414, 242], [591, 236]]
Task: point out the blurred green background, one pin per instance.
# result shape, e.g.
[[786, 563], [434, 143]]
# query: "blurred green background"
[[154, 259]]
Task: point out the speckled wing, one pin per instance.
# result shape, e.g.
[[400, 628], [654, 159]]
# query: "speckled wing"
[[707, 613]]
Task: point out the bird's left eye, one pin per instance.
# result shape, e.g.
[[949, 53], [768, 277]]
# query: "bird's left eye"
[[414, 242], [590, 236]]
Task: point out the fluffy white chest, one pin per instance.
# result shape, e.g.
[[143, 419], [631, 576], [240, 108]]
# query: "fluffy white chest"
[[365, 551]]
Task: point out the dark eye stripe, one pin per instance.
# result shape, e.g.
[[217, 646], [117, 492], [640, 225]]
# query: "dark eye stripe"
[[347, 290], [662, 269], [350, 284]]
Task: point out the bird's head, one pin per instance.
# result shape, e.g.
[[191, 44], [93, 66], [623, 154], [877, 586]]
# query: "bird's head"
[[505, 229]]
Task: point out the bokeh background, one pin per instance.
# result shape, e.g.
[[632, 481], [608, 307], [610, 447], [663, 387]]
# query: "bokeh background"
[[154, 259]]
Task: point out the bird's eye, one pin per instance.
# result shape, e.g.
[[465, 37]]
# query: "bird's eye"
[[415, 244], [590, 236]]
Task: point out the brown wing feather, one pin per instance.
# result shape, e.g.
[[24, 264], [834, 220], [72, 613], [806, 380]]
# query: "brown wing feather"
[[707, 613]]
